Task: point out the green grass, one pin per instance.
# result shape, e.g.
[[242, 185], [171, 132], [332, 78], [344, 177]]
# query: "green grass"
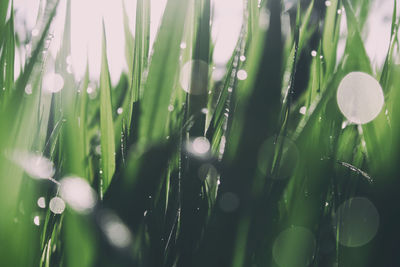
[[269, 169]]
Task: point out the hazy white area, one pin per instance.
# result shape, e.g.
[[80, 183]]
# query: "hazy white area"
[[34, 165], [86, 30], [117, 233], [228, 18], [378, 27], [376, 34]]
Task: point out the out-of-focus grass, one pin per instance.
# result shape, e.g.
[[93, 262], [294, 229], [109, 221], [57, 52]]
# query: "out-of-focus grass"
[[189, 171]]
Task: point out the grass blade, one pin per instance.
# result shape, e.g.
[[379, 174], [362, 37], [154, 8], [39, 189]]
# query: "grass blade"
[[106, 123]]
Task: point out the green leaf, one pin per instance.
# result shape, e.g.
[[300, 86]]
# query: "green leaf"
[[162, 73], [106, 122], [80, 244], [141, 53], [330, 35], [355, 57]]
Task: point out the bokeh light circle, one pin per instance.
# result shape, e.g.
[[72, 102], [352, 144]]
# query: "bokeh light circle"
[[356, 222], [78, 194], [360, 97], [53, 83], [295, 247]]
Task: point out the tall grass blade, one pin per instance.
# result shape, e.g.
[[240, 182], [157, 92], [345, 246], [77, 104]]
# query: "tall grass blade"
[[106, 123]]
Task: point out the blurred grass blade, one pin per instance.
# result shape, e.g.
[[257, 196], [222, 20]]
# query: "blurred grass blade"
[[7, 54], [142, 43], [162, 73], [72, 138], [106, 122], [193, 208], [140, 179], [80, 244], [356, 58], [35, 57], [200, 63], [141, 52], [129, 41], [330, 35]]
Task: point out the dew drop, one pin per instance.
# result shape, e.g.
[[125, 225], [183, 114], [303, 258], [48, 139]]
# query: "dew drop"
[[242, 75], [313, 53], [28, 89], [89, 90], [36, 220], [57, 205], [201, 145], [69, 69], [41, 202]]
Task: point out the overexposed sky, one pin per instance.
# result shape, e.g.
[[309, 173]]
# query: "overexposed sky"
[[86, 30], [376, 35]]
